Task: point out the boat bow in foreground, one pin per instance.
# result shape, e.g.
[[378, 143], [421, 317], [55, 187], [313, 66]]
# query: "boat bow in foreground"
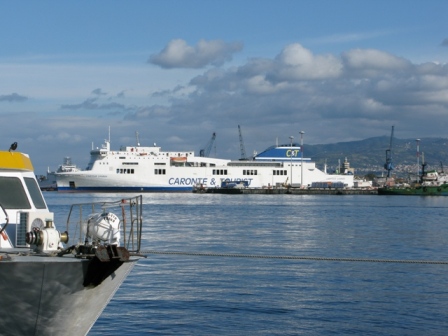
[[55, 282]]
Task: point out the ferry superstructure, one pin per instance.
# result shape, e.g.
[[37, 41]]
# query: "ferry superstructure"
[[149, 169]]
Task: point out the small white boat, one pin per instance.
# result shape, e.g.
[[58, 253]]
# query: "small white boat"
[[57, 280]]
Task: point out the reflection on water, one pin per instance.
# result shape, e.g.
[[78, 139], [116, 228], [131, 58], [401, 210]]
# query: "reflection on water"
[[197, 295]]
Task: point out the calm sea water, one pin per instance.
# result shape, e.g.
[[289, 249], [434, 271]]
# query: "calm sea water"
[[212, 295]]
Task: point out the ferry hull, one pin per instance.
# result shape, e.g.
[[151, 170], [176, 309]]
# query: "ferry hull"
[[126, 189], [49, 297]]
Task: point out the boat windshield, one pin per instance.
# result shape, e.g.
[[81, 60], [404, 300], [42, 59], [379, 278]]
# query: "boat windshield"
[[35, 193], [12, 193]]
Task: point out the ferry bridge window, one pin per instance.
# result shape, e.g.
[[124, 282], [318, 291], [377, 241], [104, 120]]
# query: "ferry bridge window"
[[12, 194], [249, 172], [219, 171], [160, 171]]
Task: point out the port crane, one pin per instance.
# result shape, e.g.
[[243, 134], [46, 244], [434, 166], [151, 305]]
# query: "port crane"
[[243, 150], [388, 165], [206, 151]]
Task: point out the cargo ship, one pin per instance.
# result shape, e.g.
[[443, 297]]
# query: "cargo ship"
[[429, 183]]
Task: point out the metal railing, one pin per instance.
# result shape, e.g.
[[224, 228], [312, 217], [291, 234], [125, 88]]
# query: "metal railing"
[[129, 210]]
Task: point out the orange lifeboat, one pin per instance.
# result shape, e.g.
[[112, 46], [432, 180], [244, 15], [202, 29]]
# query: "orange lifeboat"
[[178, 159]]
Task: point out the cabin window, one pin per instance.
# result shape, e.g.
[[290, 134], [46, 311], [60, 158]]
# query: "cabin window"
[[160, 171], [12, 194], [219, 171], [125, 171], [250, 172], [279, 172]]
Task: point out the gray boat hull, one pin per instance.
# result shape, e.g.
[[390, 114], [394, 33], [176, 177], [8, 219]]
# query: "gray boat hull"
[[46, 295]]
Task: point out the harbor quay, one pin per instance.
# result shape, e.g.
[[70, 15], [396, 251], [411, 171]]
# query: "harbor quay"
[[295, 191]]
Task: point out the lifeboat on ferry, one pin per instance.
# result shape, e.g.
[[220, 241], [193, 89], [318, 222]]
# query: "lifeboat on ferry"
[[178, 159]]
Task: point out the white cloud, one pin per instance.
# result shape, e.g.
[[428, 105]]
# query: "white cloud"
[[371, 62], [352, 37], [355, 95], [258, 84], [298, 63], [178, 54]]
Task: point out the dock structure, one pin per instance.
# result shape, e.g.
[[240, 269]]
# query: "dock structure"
[[294, 191]]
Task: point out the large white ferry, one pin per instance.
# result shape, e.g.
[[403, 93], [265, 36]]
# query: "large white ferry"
[[149, 169]]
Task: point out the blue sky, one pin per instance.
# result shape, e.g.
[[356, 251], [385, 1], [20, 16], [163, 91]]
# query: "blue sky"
[[177, 71]]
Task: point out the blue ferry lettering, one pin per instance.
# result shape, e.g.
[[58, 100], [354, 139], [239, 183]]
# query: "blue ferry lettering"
[[186, 181], [292, 152], [249, 180]]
